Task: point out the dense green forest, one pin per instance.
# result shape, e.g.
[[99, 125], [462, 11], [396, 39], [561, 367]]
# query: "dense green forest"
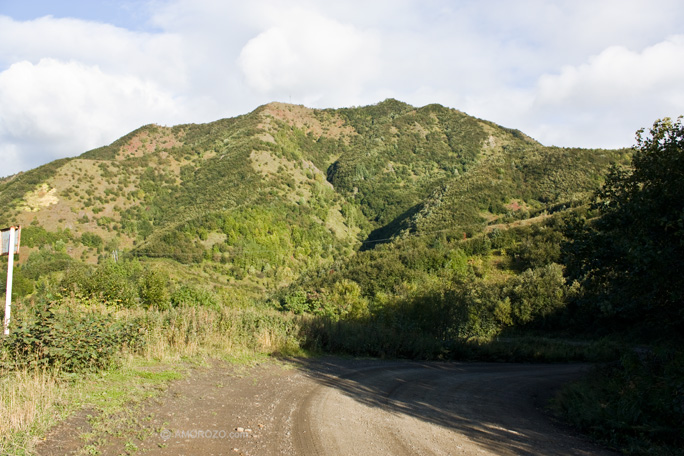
[[385, 230]]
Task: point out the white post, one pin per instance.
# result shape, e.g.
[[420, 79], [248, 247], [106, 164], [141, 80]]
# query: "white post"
[[10, 270]]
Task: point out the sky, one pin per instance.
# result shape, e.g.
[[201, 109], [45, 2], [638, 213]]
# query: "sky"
[[79, 74]]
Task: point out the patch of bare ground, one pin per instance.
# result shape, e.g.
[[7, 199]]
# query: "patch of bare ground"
[[43, 196], [146, 142], [524, 222], [65, 438], [303, 118], [366, 407]]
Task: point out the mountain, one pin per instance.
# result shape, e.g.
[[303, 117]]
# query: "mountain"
[[256, 200]]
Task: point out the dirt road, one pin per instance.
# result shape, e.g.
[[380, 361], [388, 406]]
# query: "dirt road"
[[338, 406]]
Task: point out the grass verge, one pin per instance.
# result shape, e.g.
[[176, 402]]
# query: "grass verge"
[[34, 398]]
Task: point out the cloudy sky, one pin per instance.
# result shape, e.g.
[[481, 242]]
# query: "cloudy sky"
[[75, 75]]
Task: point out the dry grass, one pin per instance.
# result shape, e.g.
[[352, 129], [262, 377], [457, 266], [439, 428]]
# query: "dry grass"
[[27, 407], [31, 402], [200, 332]]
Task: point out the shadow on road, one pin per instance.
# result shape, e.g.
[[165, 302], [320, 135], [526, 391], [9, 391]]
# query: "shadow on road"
[[497, 407]]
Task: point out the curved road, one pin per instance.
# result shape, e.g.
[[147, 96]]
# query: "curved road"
[[334, 406], [435, 409]]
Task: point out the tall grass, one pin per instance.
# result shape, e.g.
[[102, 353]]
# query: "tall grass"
[[191, 332], [32, 400], [27, 407]]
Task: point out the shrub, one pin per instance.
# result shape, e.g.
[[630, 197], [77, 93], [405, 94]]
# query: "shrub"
[[44, 262], [538, 293], [296, 302], [54, 336], [153, 289], [21, 284], [92, 240], [37, 236], [189, 296], [113, 282]]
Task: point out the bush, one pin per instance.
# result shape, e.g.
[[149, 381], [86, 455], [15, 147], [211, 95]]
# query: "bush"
[[21, 284], [153, 289], [44, 262], [54, 336], [189, 296], [37, 236], [92, 240], [296, 302], [536, 294], [629, 260], [115, 282]]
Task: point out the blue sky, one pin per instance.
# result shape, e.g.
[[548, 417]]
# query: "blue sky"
[[132, 15], [75, 75]]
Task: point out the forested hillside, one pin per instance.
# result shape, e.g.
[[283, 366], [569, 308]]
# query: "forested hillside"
[[384, 230], [252, 202]]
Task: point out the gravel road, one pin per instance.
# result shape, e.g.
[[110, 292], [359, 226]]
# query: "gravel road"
[[334, 406]]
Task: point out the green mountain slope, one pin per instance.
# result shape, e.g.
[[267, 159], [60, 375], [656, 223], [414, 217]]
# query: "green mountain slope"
[[256, 200]]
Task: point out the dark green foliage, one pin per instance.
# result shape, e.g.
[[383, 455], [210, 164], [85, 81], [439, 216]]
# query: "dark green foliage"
[[538, 176], [22, 284], [53, 336], [401, 154], [428, 324], [92, 240], [343, 300], [153, 289], [537, 294], [458, 323], [116, 283], [630, 260], [538, 245], [635, 405], [298, 302], [45, 262], [177, 245]]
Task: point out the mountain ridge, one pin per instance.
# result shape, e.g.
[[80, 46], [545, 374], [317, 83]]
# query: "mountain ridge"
[[316, 183]]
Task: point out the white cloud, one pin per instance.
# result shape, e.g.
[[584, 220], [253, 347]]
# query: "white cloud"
[[54, 109], [617, 76], [113, 49], [565, 72], [616, 89], [314, 58]]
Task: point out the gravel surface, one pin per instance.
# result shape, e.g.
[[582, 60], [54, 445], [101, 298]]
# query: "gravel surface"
[[335, 406]]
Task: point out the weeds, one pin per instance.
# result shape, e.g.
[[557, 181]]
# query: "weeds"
[[41, 380], [28, 403]]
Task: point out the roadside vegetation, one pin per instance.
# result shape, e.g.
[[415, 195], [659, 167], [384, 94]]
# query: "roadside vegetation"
[[68, 353], [409, 233], [607, 271]]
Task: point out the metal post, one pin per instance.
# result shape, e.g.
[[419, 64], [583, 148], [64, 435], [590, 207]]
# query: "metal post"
[[10, 270]]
